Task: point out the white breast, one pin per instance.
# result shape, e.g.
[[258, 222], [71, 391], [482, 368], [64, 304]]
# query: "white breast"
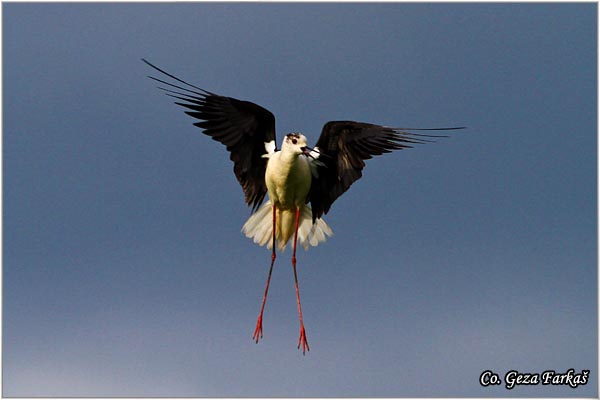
[[288, 179]]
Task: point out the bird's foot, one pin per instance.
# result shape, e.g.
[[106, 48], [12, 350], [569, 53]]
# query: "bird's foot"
[[302, 340], [258, 330]]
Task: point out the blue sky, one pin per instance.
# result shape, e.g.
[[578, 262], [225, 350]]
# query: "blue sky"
[[124, 269]]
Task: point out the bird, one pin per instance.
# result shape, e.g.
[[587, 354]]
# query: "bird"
[[301, 182]]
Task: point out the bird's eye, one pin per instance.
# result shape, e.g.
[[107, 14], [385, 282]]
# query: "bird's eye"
[[294, 141]]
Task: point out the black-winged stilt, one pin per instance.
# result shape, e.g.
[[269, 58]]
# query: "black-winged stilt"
[[293, 176]]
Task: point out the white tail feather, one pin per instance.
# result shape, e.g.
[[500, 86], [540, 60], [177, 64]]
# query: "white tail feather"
[[259, 228]]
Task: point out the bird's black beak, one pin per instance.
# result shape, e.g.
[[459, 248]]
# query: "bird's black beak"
[[306, 151]]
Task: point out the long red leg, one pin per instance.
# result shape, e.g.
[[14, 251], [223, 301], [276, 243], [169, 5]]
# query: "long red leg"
[[302, 339], [258, 329]]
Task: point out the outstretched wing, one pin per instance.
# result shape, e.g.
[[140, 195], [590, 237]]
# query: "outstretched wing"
[[342, 148], [243, 127]]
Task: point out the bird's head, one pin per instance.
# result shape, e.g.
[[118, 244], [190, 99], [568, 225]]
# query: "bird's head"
[[294, 143]]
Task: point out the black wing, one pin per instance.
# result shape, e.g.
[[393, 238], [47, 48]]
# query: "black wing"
[[242, 126], [343, 147]]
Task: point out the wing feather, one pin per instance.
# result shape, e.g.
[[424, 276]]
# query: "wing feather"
[[243, 127], [345, 146]]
